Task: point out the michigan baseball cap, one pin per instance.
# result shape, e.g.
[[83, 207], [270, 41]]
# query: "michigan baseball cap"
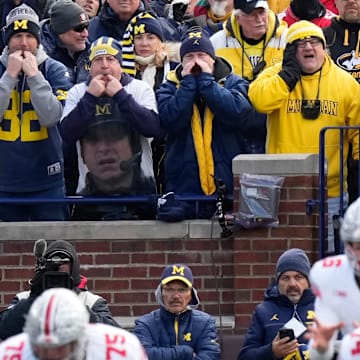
[[179, 272]]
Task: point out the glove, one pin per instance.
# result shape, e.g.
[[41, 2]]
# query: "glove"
[[36, 284], [291, 70]]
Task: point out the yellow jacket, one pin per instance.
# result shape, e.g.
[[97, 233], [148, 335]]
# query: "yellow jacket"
[[277, 6], [289, 132], [228, 44]]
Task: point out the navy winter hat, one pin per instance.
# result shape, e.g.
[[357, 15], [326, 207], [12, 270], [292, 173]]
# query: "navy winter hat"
[[293, 260], [177, 272], [196, 41], [105, 46], [146, 23], [22, 19]]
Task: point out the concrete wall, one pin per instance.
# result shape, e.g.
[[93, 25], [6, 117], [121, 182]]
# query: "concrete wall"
[[123, 260]]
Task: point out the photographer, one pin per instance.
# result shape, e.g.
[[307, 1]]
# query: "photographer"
[[204, 109], [68, 336], [57, 266]]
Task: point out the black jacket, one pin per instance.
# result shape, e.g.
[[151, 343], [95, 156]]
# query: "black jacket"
[[12, 319]]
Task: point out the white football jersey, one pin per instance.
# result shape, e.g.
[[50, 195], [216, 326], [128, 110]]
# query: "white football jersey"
[[336, 290], [103, 342], [337, 296], [350, 346]]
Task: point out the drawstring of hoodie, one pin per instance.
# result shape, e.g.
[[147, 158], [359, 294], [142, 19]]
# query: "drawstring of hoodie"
[[296, 314], [176, 328], [346, 42], [346, 38]]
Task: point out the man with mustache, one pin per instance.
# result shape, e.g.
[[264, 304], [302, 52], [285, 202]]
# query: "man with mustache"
[[289, 302], [252, 40], [177, 330]]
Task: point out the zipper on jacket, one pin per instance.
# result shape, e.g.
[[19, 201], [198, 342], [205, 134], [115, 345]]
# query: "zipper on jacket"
[[176, 328], [21, 101]]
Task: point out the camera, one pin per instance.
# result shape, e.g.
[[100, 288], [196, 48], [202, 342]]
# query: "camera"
[[258, 68], [310, 109], [56, 279], [52, 277]]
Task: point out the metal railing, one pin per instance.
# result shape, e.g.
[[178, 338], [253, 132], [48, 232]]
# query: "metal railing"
[[322, 182], [111, 199]]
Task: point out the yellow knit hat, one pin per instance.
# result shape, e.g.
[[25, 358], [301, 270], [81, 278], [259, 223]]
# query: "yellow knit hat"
[[302, 30]]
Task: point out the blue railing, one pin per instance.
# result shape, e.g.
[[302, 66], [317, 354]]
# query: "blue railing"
[[322, 181], [111, 199]]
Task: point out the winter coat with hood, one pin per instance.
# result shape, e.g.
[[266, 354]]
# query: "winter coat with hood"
[[229, 43], [12, 319], [343, 44], [224, 95], [269, 316], [34, 120], [289, 132], [190, 335]]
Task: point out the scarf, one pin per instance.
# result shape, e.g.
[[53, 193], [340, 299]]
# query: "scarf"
[[149, 72], [202, 143]]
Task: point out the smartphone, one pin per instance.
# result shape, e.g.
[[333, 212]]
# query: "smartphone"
[[284, 332]]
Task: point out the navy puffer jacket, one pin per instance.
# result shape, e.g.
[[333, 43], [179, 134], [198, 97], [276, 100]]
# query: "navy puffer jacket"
[[269, 316], [190, 335]]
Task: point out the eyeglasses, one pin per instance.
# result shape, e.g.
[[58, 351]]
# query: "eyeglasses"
[[80, 28], [313, 42], [173, 291]]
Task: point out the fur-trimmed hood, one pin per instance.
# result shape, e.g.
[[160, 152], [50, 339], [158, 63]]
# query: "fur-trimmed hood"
[[166, 52]]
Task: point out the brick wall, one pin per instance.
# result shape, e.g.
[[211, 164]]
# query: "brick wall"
[[257, 250], [123, 260], [126, 270]]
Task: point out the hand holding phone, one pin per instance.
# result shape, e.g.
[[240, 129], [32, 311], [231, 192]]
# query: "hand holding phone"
[[284, 332]]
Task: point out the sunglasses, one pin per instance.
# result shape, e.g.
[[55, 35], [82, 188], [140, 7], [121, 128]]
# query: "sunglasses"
[[80, 28]]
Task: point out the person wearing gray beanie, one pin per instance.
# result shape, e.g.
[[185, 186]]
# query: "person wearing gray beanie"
[[66, 15], [22, 19], [289, 303]]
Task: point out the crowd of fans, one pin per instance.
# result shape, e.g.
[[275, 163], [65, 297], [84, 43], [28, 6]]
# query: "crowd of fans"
[[156, 98], [149, 98]]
